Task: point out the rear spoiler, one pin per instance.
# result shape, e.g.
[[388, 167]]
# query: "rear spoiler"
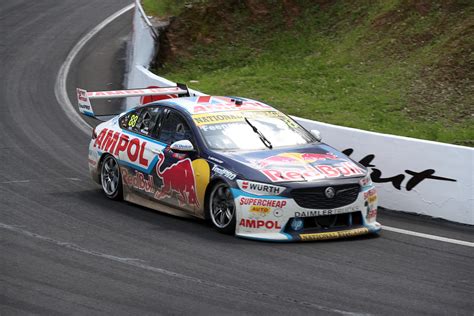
[[84, 96]]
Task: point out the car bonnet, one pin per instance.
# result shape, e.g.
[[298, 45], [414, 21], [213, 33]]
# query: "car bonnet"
[[299, 164]]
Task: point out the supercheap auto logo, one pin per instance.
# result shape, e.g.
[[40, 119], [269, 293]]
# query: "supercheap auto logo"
[[260, 210], [263, 202]]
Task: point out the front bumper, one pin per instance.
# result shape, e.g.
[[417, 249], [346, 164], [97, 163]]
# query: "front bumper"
[[270, 218]]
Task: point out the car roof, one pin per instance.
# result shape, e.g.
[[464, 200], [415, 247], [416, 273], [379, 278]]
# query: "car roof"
[[210, 104]]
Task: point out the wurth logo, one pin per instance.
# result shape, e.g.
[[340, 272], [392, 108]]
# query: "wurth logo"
[[259, 188], [265, 188]]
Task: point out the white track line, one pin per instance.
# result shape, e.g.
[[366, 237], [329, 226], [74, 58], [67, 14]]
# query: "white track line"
[[138, 263], [428, 236], [60, 87], [63, 99]]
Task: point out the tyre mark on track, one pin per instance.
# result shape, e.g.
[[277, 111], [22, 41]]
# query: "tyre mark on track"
[[138, 263]]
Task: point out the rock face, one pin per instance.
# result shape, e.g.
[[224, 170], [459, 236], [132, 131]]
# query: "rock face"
[[197, 22]]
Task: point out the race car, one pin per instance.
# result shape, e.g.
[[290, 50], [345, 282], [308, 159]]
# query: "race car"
[[243, 165]]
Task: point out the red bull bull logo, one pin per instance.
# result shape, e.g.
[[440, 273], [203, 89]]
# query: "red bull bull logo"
[[299, 167], [278, 160], [294, 159], [308, 157], [177, 180]]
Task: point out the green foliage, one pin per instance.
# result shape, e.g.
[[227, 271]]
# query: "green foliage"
[[387, 66], [163, 8]]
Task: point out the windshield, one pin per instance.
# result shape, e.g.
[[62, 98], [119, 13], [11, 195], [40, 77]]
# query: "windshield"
[[230, 131]]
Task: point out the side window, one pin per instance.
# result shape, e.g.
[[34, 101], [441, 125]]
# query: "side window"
[[141, 121], [174, 128], [129, 120]]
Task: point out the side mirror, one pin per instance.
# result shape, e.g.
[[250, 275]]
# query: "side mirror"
[[182, 146], [316, 134]]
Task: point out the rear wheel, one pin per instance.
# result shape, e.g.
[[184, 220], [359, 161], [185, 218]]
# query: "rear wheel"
[[110, 178], [222, 208]]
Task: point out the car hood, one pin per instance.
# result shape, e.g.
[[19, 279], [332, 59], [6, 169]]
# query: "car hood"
[[297, 164]]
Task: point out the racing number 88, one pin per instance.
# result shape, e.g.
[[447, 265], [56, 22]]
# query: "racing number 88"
[[133, 120]]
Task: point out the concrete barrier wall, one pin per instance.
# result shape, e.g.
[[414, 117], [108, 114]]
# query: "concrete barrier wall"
[[411, 175], [141, 53]]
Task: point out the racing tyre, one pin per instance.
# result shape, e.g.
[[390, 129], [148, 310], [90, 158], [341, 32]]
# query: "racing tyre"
[[110, 178], [222, 208]]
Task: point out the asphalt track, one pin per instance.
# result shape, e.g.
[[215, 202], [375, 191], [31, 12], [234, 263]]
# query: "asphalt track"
[[66, 249]]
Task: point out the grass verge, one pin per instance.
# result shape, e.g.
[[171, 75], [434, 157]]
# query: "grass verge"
[[401, 67]]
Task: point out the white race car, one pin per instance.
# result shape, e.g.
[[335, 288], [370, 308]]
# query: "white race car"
[[248, 168]]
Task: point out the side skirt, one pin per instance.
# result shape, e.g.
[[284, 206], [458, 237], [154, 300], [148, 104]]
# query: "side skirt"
[[155, 205]]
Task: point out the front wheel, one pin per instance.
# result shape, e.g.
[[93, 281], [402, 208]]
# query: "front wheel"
[[110, 178], [222, 208]]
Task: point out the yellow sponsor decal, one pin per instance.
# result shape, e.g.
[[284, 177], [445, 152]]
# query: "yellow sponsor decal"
[[334, 235], [202, 174], [225, 117], [260, 210], [372, 199]]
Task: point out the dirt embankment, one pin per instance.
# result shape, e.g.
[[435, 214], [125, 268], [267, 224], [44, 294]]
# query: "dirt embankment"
[[432, 41]]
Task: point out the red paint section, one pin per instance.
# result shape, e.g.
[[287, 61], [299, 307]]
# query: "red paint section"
[[153, 98], [252, 223], [116, 142], [204, 99]]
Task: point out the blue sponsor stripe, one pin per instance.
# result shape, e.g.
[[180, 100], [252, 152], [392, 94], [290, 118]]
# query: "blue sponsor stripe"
[[138, 167], [370, 227], [265, 239], [134, 166], [239, 192]]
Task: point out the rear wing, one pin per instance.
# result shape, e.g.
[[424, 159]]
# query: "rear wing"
[[84, 96]]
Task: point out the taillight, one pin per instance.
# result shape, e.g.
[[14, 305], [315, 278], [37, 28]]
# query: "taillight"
[[94, 134]]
